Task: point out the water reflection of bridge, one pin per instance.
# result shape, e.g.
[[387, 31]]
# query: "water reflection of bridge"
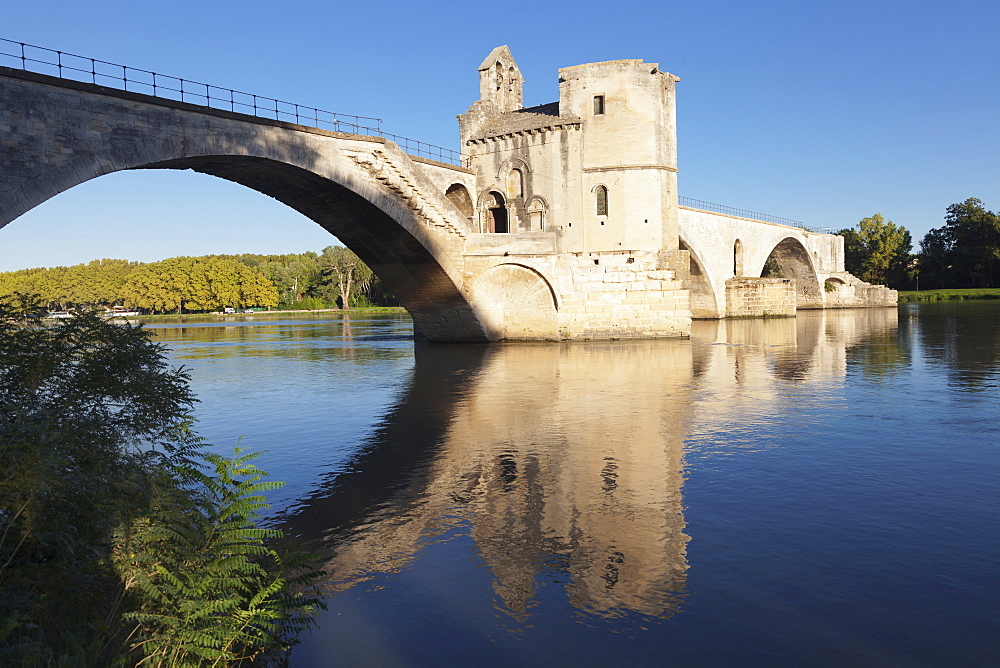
[[564, 460]]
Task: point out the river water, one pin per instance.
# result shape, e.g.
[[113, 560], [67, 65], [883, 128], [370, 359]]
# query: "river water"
[[820, 491]]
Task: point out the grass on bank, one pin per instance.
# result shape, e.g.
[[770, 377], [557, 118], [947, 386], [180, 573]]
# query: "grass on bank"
[[948, 294]]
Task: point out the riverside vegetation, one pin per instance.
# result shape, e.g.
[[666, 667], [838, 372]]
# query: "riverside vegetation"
[[335, 277], [961, 255], [964, 253], [123, 539]]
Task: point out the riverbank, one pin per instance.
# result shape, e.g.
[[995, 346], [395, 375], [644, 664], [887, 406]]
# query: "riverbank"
[[203, 317], [948, 294]]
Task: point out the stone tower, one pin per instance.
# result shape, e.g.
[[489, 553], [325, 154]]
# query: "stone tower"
[[627, 155], [597, 169], [574, 204]]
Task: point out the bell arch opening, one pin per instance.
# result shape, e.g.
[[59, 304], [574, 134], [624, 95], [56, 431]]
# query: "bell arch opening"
[[789, 259]]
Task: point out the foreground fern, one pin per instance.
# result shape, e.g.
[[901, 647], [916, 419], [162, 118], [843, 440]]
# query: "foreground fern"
[[207, 589]]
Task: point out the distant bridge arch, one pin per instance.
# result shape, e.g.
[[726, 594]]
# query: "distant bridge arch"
[[794, 261], [724, 247]]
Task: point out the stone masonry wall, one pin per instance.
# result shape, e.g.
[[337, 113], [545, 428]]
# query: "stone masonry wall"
[[620, 295], [756, 297], [609, 295]]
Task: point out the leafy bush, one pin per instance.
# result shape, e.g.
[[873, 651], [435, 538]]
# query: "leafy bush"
[[101, 477]]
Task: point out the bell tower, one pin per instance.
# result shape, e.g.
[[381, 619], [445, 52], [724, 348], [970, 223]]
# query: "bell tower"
[[501, 90], [500, 81]]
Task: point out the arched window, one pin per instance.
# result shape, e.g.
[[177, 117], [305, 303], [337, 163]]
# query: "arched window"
[[738, 258], [515, 183], [601, 198], [536, 214], [501, 93]]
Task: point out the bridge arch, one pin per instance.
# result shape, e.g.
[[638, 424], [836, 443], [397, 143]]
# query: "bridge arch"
[[363, 190], [704, 303], [794, 261]]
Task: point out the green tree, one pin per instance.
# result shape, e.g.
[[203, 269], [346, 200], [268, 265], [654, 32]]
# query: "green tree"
[[345, 273], [878, 251], [157, 286], [197, 284], [204, 283], [965, 252]]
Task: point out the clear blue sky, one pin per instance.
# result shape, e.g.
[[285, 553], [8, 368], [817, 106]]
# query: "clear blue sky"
[[823, 112]]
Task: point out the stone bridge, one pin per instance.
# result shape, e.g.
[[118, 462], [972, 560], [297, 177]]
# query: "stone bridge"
[[563, 223], [729, 254]]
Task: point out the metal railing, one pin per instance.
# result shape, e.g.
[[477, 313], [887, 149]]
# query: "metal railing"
[[63, 65], [754, 215]]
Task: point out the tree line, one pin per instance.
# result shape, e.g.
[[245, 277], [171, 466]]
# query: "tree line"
[[335, 277], [963, 253]]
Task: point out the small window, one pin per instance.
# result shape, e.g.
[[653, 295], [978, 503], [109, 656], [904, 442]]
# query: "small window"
[[515, 183], [536, 214], [601, 194], [598, 105]]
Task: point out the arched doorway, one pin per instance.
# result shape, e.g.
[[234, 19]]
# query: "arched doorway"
[[496, 213]]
